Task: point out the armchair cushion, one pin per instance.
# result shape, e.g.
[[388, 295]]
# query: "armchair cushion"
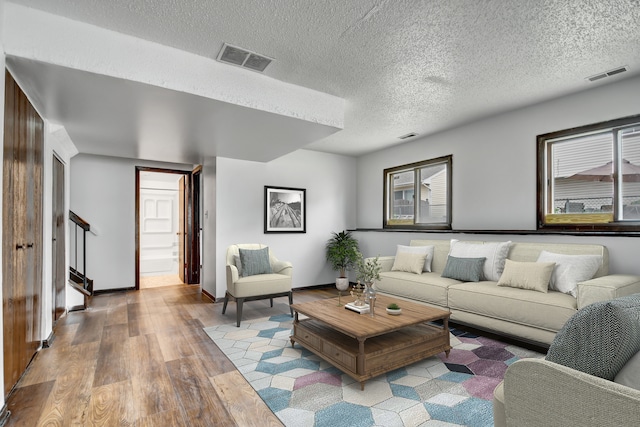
[[254, 261], [629, 375], [600, 338]]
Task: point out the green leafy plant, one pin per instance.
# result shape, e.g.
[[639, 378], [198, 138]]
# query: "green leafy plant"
[[393, 306], [368, 270], [342, 252]]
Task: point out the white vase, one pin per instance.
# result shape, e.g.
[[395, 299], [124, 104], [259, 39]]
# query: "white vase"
[[342, 284]]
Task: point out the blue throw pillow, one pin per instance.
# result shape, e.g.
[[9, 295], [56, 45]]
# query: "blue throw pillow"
[[464, 269], [600, 338], [255, 261]]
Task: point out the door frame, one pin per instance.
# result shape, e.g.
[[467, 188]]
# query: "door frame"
[[192, 215]]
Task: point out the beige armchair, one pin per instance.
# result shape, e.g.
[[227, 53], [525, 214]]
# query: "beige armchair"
[[536, 392], [257, 286]]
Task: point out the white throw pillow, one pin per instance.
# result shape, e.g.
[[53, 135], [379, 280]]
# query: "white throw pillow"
[[570, 270], [495, 253], [409, 262], [427, 250]]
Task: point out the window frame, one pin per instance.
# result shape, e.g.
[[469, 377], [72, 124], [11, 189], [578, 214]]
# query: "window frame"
[[388, 193], [543, 184]]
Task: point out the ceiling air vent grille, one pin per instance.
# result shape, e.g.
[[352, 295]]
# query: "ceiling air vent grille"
[[243, 58], [409, 135], [608, 73]]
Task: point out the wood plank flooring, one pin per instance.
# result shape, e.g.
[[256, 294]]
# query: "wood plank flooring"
[[141, 358]]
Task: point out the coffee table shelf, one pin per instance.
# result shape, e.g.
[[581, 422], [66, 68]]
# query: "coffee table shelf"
[[365, 347]]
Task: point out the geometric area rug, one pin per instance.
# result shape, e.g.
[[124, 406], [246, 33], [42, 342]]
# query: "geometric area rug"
[[303, 390]]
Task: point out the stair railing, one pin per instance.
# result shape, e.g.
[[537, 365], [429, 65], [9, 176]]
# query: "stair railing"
[[78, 274]]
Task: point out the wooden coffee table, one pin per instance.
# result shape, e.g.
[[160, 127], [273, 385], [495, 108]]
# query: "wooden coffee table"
[[363, 346]]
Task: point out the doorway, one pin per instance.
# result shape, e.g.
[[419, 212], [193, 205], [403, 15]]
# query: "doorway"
[[167, 244], [59, 273], [161, 241]]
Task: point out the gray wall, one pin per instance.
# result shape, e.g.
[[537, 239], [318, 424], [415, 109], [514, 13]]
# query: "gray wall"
[[494, 171], [103, 193], [330, 184]]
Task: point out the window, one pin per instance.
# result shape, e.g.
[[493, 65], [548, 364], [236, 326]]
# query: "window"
[[589, 177], [430, 180]]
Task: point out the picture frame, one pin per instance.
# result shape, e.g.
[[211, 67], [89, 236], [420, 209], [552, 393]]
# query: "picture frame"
[[285, 210]]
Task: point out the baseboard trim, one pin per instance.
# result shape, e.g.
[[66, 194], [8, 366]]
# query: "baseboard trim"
[[312, 287], [47, 342], [108, 291], [76, 308], [208, 295], [4, 415]]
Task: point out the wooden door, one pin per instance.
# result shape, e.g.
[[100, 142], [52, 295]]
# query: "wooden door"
[[22, 232], [181, 229], [193, 227], [58, 241]]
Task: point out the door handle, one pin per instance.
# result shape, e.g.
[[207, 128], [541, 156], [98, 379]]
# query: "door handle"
[[29, 245], [20, 247]]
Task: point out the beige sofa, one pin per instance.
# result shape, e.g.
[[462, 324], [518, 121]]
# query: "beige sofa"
[[524, 314]]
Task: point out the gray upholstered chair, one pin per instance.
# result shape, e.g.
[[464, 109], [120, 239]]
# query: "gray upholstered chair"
[[255, 283]]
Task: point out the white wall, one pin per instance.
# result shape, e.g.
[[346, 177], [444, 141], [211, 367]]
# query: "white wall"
[[494, 170], [208, 223], [103, 193], [329, 181]]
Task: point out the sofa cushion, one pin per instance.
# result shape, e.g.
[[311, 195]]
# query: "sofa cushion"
[[409, 262], [570, 270], [629, 375], [527, 275], [464, 269], [426, 287], [494, 252], [427, 250], [255, 261], [600, 338], [547, 311]]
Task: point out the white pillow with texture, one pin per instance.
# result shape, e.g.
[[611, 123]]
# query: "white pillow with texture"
[[495, 253], [409, 262], [427, 250], [570, 270]]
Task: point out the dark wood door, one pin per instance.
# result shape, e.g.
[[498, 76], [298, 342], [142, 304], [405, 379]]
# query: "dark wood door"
[[22, 231], [193, 227], [58, 237]]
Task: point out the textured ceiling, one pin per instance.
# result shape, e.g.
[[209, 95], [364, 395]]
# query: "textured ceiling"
[[402, 66]]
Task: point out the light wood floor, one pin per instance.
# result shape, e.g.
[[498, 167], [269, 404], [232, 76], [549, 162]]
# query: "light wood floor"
[[141, 358], [147, 282]]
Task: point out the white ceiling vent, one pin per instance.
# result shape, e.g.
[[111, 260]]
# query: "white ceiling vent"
[[409, 135], [608, 73], [243, 58]]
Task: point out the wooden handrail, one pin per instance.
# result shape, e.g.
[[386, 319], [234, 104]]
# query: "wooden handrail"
[[81, 222]]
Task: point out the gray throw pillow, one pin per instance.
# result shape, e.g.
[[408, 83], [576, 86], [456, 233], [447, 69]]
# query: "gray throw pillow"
[[464, 269], [255, 261], [600, 338]]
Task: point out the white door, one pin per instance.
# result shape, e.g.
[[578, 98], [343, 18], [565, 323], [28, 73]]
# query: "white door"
[[158, 225]]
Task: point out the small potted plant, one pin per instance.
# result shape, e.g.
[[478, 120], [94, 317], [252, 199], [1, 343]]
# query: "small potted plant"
[[342, 253], [368, 270], [394, 309]]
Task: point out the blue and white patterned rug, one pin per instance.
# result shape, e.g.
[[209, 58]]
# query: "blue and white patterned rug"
[[303, 390]]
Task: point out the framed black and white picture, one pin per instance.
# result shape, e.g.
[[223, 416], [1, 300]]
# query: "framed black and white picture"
[[285, 210]]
